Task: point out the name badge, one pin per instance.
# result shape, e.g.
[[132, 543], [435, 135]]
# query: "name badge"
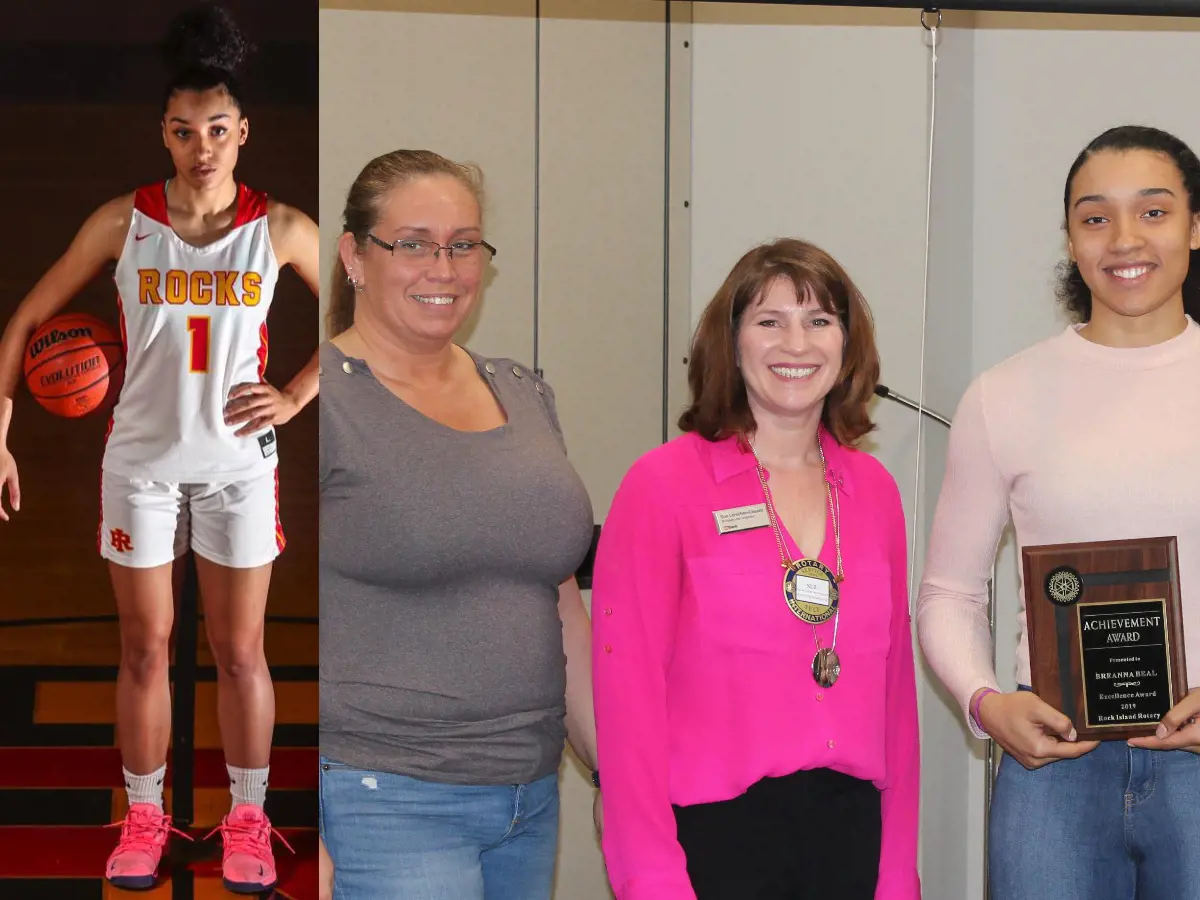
[[741, 518], [812, 590]]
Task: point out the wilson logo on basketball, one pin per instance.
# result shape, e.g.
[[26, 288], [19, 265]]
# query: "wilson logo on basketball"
[[199, 288], [54, 336], [74, 364]]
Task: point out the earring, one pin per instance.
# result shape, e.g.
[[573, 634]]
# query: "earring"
[[356, 284]]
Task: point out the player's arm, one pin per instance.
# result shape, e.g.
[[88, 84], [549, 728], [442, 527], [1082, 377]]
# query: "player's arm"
[[98, 242], [299, 246], [296, 242]]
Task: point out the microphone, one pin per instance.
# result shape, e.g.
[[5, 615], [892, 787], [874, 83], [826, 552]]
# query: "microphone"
[[882, 390]]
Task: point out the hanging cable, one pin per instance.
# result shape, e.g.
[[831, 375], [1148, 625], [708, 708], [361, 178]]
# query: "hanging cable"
[[931, 21]]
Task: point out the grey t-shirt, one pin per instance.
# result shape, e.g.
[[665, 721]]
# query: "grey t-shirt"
[[441, 556]]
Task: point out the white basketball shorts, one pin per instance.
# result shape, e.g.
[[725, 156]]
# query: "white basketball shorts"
[[150, 523]]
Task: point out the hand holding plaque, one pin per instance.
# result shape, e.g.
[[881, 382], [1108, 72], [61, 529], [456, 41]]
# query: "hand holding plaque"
[[1180, 729], [1106, 633], [1030, 730]]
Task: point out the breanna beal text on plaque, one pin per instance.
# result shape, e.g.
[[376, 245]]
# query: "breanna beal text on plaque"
[[1127, 670]]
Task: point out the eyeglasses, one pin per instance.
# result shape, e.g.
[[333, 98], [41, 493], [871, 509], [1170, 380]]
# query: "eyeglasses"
[[466, 253]]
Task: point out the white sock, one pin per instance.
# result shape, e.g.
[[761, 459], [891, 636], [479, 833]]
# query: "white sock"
[[248, 785], [145, 788]]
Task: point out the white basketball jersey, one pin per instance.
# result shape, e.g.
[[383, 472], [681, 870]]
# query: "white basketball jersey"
[[194, 324]]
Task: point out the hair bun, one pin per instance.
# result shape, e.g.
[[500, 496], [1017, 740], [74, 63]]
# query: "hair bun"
[[205, 36]]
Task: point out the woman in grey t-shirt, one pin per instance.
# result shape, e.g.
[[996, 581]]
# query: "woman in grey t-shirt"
[[455, 647]]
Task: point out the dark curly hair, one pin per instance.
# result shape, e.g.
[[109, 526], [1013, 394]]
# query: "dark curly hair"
[[1072, 290], [205, 49]]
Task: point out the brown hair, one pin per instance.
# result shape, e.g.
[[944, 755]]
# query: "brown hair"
[[719, 406], [378, 178]]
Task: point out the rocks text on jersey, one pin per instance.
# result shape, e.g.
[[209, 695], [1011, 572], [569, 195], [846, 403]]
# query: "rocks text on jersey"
[[199, 288]]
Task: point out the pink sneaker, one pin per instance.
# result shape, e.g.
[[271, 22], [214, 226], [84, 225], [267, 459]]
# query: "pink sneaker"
[[248, 866], [133, 865]]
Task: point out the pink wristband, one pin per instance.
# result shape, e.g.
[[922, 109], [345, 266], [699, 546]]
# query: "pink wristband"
[[975, 706]]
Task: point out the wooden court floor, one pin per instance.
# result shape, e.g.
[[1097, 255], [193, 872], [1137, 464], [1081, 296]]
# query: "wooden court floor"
[[60, 774]]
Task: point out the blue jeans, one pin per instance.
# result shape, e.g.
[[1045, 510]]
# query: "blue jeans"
[[1119, 823], [398, 838]]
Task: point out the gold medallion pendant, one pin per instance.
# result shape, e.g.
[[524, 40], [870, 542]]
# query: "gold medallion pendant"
[[810, 590], [809, 587]]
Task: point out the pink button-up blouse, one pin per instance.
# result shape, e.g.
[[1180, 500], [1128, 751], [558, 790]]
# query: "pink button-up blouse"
[[702, 673]]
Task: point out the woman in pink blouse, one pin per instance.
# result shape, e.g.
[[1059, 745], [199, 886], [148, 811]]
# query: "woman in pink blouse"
[[755, 699]]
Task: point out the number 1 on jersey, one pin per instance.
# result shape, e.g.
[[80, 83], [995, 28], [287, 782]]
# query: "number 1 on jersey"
[[199, 328]]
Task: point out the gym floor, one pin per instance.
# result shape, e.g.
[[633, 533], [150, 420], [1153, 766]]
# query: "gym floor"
[[60, 775]]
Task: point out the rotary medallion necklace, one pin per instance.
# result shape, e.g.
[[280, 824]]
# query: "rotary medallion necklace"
[[810, 589]]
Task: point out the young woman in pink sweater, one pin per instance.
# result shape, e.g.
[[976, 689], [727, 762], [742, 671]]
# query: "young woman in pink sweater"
[[1091, 435], [753, 661]]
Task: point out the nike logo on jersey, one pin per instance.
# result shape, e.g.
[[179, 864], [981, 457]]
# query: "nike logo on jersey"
[[140, 237], [199, 288]]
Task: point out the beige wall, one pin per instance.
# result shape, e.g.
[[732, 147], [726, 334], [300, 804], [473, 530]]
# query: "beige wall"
[[779, 120], [813, 122], [381, 89], [567, 117]]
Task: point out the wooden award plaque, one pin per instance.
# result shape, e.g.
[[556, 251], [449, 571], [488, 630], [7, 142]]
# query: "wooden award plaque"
[[1106, 633]]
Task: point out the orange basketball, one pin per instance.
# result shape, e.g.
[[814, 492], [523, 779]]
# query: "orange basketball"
[[73, 365]]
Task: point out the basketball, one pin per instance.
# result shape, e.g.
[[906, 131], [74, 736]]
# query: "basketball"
[[73, 365]]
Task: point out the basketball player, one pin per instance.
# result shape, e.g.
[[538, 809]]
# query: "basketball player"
[[190, 458]]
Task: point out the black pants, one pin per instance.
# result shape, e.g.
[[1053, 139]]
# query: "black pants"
[[811, 835]]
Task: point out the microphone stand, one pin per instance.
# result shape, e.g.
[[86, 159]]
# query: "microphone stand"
[[882, 390], [886, 392]]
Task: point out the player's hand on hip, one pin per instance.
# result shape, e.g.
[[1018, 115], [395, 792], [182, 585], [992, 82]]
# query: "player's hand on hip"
[[8, 478], [1179, 728], [1030, 730], [256, 406]]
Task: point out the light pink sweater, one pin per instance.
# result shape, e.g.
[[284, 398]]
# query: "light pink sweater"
[[1077, 442]]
